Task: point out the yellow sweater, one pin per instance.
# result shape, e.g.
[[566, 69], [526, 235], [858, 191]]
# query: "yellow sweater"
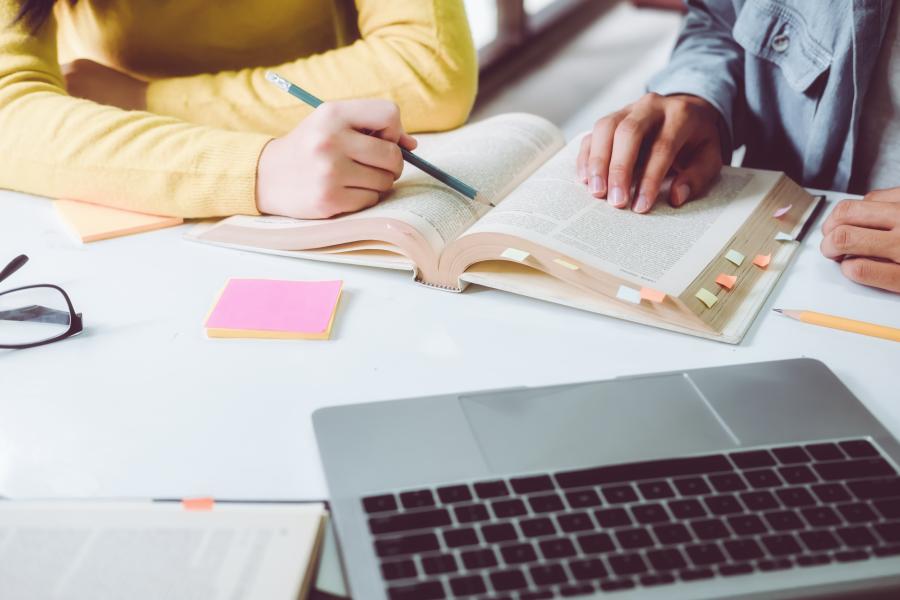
[[194, 152]]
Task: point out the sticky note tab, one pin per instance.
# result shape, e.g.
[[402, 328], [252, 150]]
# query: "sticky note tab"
[[784, 237], [726, 281], [652, 295], [92, 223], [566, 264], [514, 254], [782, 211], [198, 503], [734, 256], [762, 260], [270, 308], [629, 294], [706, 297]]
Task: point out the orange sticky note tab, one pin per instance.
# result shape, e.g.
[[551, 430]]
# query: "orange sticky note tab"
[[726, 281], [92, 222], [652, 295], [198, 503], [762, 260]]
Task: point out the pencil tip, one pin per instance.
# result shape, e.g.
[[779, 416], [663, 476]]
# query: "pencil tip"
[[479, 197], [778, 310]]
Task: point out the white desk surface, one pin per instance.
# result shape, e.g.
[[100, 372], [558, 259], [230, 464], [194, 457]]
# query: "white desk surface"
[[143, 405]]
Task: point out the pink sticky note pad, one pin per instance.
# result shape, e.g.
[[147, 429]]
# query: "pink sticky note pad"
[[726, 281], [259, 307]]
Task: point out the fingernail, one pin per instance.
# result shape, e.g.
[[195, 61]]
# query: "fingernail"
[[617, 197], [642, 204], [595, 184], [682, 193]]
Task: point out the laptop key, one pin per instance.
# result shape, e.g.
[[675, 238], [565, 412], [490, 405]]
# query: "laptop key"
[[762, 478], [518, 553], [702, 555], [775, 565], [537, 527], [687, 509], [428, 590], [557, 548], [612, 517], [813, 561], [727, 482], [458, 538], [620, 494], [511, 579], [583, 498], [530, 485], [425, 519], [783, 520], [797, 474], [401, 569], [508, 508], [709, 529], [758, 501], [627, 564], [654, 490], [575, 522], [889, 532], [587, 569], [795, 497], [696, 574], [468, 585], [452, 494], [857, 513], [491, 489], [471, 513], [856, 537], [501, 532], [377, 504], [596, 543], [791, 455], [858, 448], [747, 525], [417, 499], [653, 469], [675, 533], [825, 451], [439, 564], [667, 559], [854, 469], [851, 555], [657, 579], [540, 595], [821, 516], [752, 459], [735, 569], [781, 545], [649, 513], [580, 589], [725, 504], [831, 492], [692, 486], [819, 540], [876, 488], [482, 558], [633, 538], [410, 544], [548, 574], [746, 549], [887, 551], [546, 503], [889, 509]]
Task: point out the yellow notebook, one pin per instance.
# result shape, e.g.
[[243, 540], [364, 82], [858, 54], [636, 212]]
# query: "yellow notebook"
[[92, 222]]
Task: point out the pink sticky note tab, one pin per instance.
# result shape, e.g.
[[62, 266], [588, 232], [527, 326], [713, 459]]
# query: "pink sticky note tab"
[[762, 260], [782, 211], [198, 503], [652, 295], [296, 307], [726, 281]]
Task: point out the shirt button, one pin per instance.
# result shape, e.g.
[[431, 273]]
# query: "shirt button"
[[780, 42]]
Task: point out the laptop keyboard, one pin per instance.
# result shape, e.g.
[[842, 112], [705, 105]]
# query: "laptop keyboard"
[[643, 524]]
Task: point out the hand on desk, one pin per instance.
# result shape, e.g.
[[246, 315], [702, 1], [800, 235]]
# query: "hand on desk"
[[93, 81], [682, 135], [864, 236]]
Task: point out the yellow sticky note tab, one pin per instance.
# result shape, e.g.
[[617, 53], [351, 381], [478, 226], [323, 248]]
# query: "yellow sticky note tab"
[[628, 294], [726, 281], [514, 254], [762, 260], [652, 295], [566, 264], [735, 257], [706, 297]]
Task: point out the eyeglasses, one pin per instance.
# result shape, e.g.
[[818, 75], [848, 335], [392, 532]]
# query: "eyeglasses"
[[34, 315]]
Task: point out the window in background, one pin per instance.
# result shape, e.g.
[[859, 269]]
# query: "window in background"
[[483, 21], [536, 6]]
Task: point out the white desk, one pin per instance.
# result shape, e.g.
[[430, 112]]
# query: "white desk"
[[142, 404]]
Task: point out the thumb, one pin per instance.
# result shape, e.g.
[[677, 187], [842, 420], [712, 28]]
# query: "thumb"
[[696, 175], [378, 117]]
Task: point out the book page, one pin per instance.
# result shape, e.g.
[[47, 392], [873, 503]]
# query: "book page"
[[105, 551], [665, 249]]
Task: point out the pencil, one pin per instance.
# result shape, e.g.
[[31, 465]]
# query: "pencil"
[[417, 161], [861, 327]]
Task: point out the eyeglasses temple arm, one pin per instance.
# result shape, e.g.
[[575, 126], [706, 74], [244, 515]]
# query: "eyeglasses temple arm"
[[14, 265]]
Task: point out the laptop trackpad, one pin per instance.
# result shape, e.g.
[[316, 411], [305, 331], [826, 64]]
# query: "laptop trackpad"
[[594, 423]]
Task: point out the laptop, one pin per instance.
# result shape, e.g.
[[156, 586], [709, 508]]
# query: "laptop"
[[766, 480]]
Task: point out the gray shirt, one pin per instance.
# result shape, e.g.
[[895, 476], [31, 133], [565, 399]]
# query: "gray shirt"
[[877, 161]]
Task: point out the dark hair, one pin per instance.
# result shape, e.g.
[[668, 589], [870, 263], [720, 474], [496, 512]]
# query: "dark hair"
[[35, 12]]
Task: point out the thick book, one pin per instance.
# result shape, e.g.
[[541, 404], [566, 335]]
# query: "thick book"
[[143, 550], [548, 238]]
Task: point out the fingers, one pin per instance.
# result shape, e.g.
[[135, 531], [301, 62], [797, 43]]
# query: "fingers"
[[581, 163], [849, 240], [374, 152], [408, 141], [627, 141], [696, 175], [355, 175], [884, 275], [891, 195], [599, 154], [863, 213], [665, 148], [381, 117]]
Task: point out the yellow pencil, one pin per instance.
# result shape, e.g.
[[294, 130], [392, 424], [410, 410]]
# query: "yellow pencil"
[[861, 327]]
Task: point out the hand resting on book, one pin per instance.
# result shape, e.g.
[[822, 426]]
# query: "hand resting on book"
[[864, 237], [682, 134], [338, 160]]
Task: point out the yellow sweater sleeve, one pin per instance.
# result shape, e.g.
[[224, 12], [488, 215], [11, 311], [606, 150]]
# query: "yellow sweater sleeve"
[[54, 145], [418, 53]]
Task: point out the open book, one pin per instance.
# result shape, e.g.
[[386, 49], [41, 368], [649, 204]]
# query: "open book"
[[548, 238], [142, 550]]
